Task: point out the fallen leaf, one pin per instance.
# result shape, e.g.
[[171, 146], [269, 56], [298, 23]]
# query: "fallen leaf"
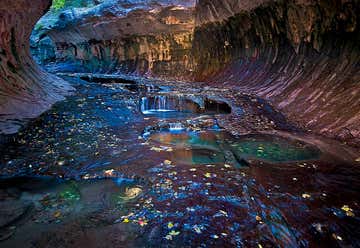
[[109, 173], [197, 229], [167, 162], [142, 222], [168, 237], [174, 233], [337, 237], [305, 196], [57, 214], [346, 208], [348, 211], [156, 149]]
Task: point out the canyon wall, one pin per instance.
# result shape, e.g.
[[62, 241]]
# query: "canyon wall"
[[25, 90], [303, 56], [145, 37]]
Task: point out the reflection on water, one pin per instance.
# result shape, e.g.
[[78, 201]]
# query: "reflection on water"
[[187, 139], [41, 203], [197, 156], [273, 149], [262, 147], [192, 147]]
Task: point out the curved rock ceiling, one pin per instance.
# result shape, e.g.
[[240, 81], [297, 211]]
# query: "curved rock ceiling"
[[25, 90], [302, 55]]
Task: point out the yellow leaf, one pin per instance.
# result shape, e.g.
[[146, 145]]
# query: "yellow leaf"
[[109, 172], [156, 149], [305, 196], [174, 233], [350, 214], [57, 214], [348, 211], [168, 237], [337, 237], [346, 208], [168, 162]]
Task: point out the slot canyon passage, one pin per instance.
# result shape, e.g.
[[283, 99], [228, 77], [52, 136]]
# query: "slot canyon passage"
[[169, 123]]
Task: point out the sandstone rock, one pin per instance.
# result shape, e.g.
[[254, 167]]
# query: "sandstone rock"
[[25, 90], [301, 55]]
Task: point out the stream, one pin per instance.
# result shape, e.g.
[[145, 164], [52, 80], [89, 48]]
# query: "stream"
[[127, 162]]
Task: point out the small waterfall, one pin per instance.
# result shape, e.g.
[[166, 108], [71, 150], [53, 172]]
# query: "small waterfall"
[[161, 103], [176, 126], [168, 103], [144, 104], [156, 104]]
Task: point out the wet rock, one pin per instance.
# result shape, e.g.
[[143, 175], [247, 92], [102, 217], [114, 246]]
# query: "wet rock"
[[345, 134], [6, 233], [12, 211]]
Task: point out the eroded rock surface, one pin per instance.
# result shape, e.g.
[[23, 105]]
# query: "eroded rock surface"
[[302, 55], [25, 90], [143, 37]]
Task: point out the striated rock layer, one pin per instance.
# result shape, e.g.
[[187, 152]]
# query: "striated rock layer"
[[301, 55], [143, 37], [25, 90]]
